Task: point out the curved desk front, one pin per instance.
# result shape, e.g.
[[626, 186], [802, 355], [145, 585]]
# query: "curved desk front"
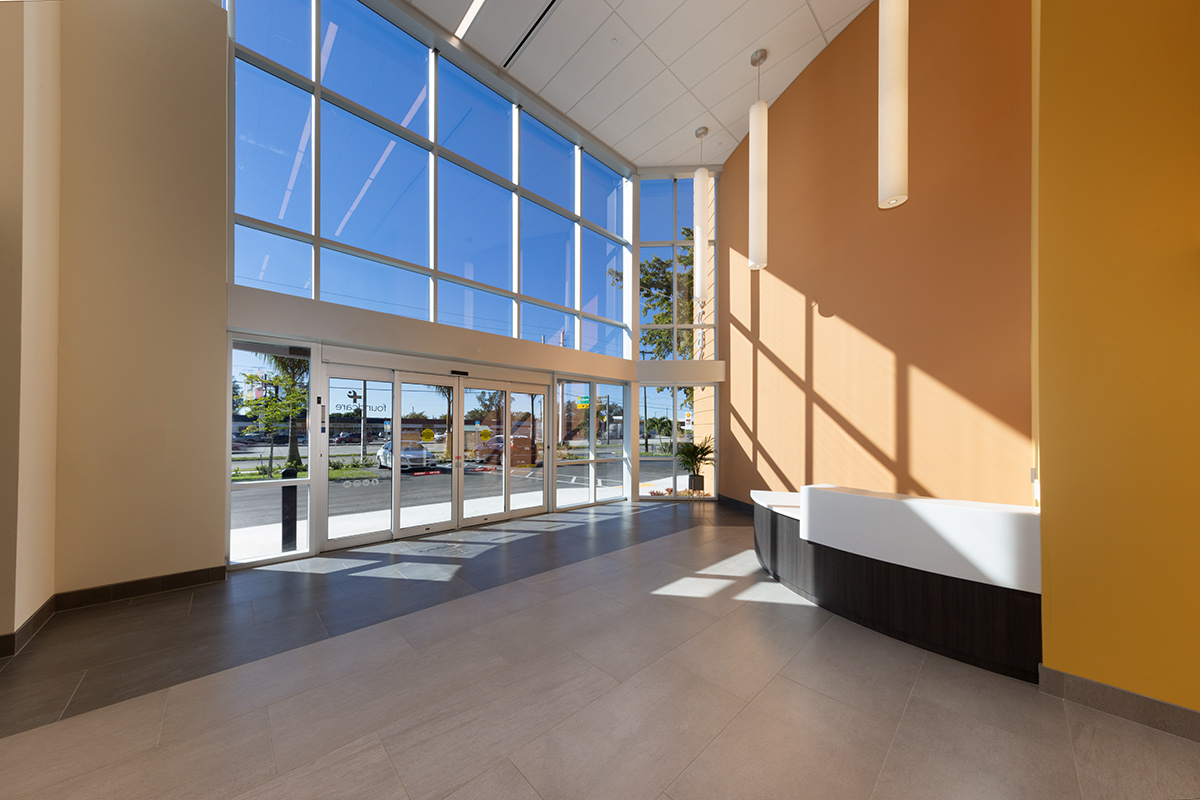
[[957, 578]]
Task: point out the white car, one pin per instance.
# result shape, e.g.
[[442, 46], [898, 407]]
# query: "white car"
[[412, 456]]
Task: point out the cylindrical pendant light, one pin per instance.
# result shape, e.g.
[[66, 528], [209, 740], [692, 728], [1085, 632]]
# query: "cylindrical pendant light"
[[758, 176], [893, 102], [700, 234]]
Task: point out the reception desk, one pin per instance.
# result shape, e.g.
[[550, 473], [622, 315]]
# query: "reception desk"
[[958, 578]]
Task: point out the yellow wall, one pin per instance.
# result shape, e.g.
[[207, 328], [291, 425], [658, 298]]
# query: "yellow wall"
[[888, 350], [143, 387], [1119, 329]]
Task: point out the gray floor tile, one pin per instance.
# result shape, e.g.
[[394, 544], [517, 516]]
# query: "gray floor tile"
[[539, 629], [224, 761], [430, 625], [748, 647], [313, 723], [571, 578], [197, 704], [27, 701], [501, 782], [1015, 706], [632, 741], [359, 771], [44, 756], [446, 744], [1120, 759], [939, 754], [861, 668], [790, 741], [631, 640]]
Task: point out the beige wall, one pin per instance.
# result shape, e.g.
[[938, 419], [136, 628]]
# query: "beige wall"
[[888, 350], [1119, 289], [143, 395], [12, 91], [38, 434]]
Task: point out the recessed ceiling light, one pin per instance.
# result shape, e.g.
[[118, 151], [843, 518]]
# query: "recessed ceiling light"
[[468, 18]]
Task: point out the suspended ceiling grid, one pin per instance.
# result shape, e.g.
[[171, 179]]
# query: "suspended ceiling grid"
[[642, 75]]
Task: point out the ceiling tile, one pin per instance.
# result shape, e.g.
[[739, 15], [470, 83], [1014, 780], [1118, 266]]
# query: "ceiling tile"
[[643, 16], [743, 31], [595, 59], [688, 24], [829, 12], [640, 108], [838, 27], [447, 13], [774, 82], [681, 146], [740, 128], [499, 27], [798, 31], [662, 125], [564, 31], [640, 67]]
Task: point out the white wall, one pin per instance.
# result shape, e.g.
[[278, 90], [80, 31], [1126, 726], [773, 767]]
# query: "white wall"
[[143, 392], [38, 434]]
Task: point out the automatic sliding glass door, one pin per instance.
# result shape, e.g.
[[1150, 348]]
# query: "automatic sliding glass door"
[[422, 455], [410, 454], [360, 491]]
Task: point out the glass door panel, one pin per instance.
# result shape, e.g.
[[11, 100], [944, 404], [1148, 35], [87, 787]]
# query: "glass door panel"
[[424, 459], [484, 448], [526, 467], [268, 461], [360, 474]]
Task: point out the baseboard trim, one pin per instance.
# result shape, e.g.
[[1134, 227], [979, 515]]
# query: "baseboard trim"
[[737, 505], [12, 643], [1157, 714], [143, 586]]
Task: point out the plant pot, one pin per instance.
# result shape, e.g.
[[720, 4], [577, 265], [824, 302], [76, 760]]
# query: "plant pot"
[[696, 483]]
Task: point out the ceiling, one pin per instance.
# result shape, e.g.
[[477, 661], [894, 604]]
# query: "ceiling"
[[642, 75]]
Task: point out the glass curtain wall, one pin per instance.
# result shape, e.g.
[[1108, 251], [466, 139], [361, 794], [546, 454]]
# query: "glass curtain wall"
[[590, 453], [372, 172], [677, 308], [671, 416]]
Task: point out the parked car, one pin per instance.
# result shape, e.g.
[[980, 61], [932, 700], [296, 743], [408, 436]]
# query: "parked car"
[[521, 451], [348, 438], [412, 456]]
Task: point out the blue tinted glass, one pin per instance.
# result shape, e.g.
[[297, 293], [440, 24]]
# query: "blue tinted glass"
[[685, 210], [545, 325], [464, 307], [547, 163], [274, 263], [273, 151], [603, 264], [656, 290], [657, 211], [353, 281], [597, 337], [474, 227], [547, 255], [281, 30], [602, 196], [374, 188], [372, 62], [474, 121]]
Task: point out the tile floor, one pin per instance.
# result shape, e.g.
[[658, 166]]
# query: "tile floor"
[[622, 652]]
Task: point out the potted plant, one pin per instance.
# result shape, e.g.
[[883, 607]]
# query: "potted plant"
[[692, 456]]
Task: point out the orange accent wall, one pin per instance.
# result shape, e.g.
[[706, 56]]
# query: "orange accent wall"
[[1119, 322], [888, 350]]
